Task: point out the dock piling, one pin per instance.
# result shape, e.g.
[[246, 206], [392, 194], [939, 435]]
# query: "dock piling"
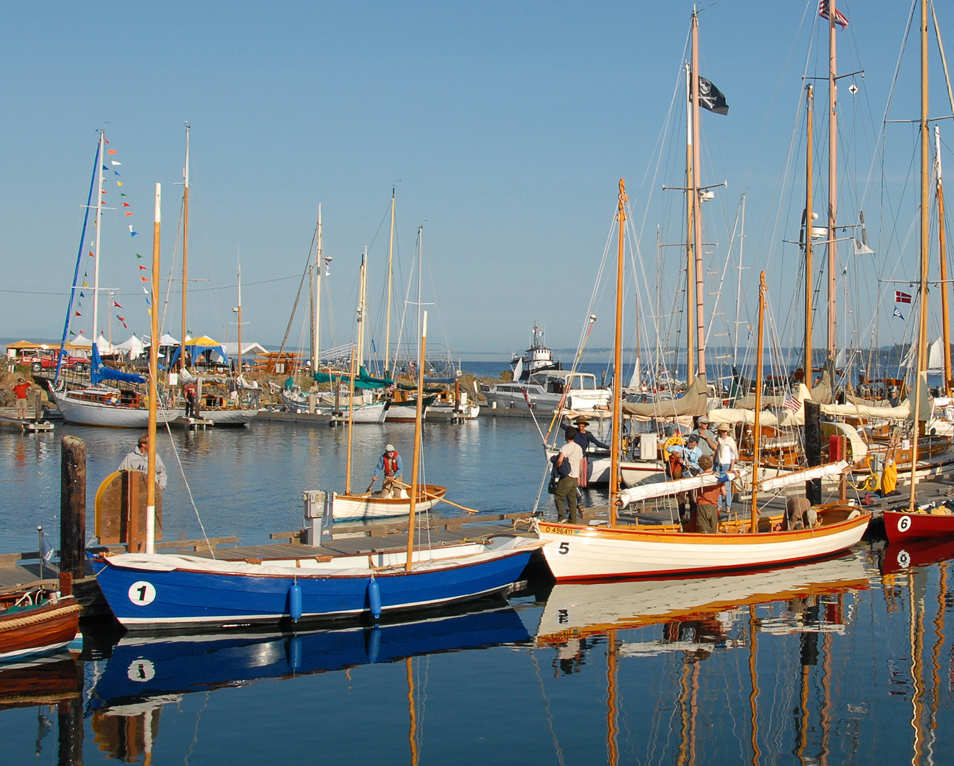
[[73, 506]]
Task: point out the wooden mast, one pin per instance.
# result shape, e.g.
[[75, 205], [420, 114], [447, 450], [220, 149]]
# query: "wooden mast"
[[617, 358], [942, 255], [758, 408], [185, 247], [153, 376], [809, 227], [350, 422], [925, 201], [387, 333], [696, 203], [832, 176], [362, 304], [416, 462], [690, 253]]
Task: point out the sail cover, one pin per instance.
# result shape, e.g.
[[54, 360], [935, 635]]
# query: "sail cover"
[[693, 402], [99, 371]]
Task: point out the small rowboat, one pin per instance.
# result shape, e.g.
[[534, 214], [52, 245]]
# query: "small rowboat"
[[370, 505], [36, 622]]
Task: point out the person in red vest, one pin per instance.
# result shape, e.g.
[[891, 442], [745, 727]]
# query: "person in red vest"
[[390, 466], [20, 390]]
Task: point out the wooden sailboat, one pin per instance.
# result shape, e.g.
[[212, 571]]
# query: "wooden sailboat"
[[36, 621], [913, 523], [149, 592], [576, 552]]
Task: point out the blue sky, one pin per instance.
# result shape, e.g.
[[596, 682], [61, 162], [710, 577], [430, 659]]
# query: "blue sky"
[[504, 127]]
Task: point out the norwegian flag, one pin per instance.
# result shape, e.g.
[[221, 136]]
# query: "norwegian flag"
[[840, 19], [900, 297], [791, 404]]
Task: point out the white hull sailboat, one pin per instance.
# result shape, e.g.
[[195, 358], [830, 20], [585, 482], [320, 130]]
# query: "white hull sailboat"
[[101, 407], [374, 506]]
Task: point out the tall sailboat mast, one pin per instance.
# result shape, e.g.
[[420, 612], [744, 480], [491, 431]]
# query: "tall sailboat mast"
[[942, 254], [925, 201], [690, 251], [617, 358], [153, 379], [696, 202], [238, 311], [832, 175], [809, 219], [362, 305], [387, 332], [185, 245], [99, 227]]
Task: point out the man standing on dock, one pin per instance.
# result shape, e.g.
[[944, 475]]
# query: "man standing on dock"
[[390, 466], [20, 390], [138, 460]]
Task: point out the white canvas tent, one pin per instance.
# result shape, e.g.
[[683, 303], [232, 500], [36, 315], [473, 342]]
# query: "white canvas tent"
[[132, 347]]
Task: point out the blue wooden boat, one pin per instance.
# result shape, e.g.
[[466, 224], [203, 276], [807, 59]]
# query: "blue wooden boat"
[[156, 592], [141, 667]]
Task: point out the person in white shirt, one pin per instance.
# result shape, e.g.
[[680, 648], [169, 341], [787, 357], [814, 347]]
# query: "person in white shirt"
[[726, 455], [565, 496], [138, 460]]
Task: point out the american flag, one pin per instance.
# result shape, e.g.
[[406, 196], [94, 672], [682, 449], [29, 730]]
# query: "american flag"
[[791, 403], [840, 19]]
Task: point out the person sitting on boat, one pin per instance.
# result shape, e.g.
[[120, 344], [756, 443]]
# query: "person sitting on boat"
[[138, 460], [584, 438], [390, 467], [707, 501], [565, 496], [727, 453]]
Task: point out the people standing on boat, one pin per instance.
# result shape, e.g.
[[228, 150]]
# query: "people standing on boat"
[[138, 460], [707, 501], [389, 465], [584, 438], [707, 440], [684, 461], [727, 453], [20, 390], [565, 496]]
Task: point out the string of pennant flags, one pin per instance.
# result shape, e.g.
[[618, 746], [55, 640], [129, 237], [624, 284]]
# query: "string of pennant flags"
[[110, 169]]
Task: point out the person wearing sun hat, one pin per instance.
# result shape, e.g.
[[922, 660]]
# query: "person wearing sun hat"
[[726, 454], [390, 466], [584, 438]]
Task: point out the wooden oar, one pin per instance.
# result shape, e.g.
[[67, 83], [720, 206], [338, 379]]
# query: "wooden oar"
[[440, 499]]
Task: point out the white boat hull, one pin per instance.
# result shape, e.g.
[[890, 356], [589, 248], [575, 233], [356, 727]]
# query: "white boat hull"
[[578, 553], [238, 416], [87, 413], [372, 506], [365, 413]]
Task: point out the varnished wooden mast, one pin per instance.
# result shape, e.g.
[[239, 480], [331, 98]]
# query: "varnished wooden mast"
[[696, 204], [690, 253], [758, 408], [809, 202], [416, 462], [832, 176], [153, 377], [617, 357], [925, 201]]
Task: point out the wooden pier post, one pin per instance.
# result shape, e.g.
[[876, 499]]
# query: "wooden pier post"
[[813, 445], [73, 506]]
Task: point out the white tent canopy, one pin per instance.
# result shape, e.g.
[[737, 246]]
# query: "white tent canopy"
[[248, 348], [104, 346], [82, 341], [132, 347]]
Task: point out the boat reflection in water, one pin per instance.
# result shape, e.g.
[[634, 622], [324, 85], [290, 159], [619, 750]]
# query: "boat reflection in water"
[[144, 668], [698, 609]]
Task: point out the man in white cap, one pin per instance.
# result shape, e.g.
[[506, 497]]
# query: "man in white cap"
[[390, 466], [707, 439]]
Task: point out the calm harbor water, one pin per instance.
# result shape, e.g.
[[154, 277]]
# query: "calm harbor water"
[[842, 661]]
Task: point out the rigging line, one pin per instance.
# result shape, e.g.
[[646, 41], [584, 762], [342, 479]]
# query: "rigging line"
[[301, 283], [548, 713], [725, 267], [879, 144], [940, 48]]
